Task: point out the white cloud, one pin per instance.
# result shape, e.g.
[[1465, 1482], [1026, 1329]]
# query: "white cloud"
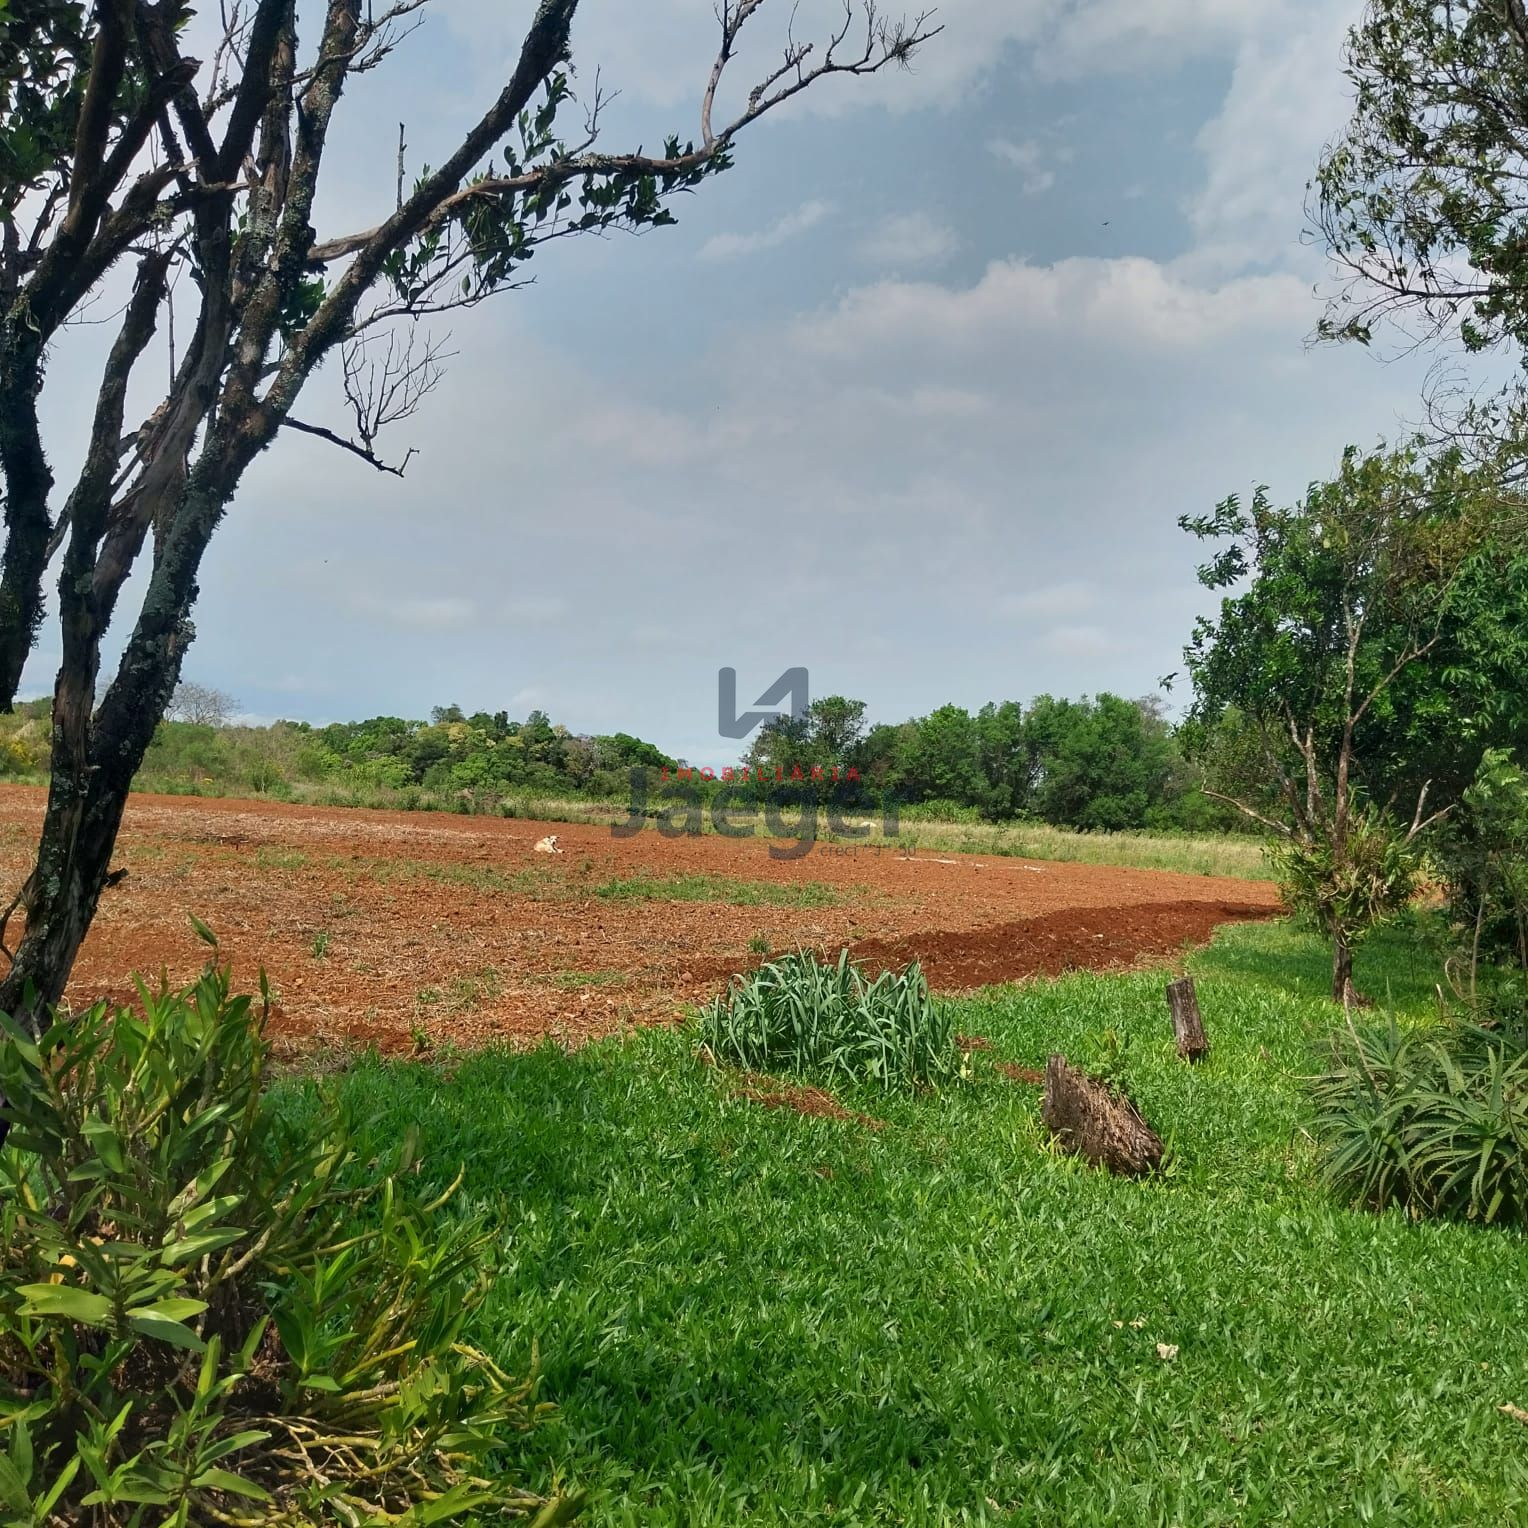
[[1055, 600], [1130, 303], [923, 488], [732, 246], [909, 241], [659, 53], [1287, 98], [1028, 158], [1080, 642], [441, 613], [1120, 36]]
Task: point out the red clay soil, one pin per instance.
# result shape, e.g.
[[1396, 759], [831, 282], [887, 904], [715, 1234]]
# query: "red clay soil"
[[771, 1093], [1072, 939], [390, 928], [1026, 1075]]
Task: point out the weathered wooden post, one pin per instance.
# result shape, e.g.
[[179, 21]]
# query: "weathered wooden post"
[[1183, 1002]]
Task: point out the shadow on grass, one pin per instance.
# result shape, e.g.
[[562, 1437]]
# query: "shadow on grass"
[[1398, 967]]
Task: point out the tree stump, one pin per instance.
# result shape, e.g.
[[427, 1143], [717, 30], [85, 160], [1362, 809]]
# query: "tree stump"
[[1183, 1001], [1089, 1119]]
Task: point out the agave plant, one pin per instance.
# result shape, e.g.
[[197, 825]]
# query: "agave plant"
[[1435, 1122], [830, 1021]]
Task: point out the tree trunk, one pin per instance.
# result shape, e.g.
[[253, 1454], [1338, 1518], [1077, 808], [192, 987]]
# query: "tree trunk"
[[28, 482], [1342, 969], [1091, 1120], [95, 757], [1343, 990], [60, 898], [1188, 1026]]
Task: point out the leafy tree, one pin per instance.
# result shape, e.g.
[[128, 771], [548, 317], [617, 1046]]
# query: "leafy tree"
[[1422, 202], [881, 756], [1099, 765], [943, 759], [124, 163], [1323, 661], [837, 727], [1483, 853], [1422, 197], [826, 739], [1005, 760]]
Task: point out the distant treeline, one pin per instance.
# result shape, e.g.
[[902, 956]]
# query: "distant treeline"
[[1101, 764], [1098, 764]]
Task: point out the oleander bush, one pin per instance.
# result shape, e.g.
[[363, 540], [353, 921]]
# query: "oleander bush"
[[211, 1314]]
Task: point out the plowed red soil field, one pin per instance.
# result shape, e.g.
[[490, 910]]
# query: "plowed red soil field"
[[389, 929]]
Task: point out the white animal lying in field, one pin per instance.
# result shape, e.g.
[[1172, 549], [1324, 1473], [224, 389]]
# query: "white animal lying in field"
[[548, 846]]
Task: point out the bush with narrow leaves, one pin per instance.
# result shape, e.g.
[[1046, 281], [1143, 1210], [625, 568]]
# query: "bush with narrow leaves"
[[832, 1022], [1432, 1121], [204, 1320], [1348, 893]]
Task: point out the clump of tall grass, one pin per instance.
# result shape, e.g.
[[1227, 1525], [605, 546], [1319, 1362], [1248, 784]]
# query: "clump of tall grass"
[[833, 1023], [1434, 1121]]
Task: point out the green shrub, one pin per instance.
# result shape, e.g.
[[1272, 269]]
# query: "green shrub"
[[1347, 893], [1434, 1122], [1481, 851], [941, 811], [802, 1016], [203, 1319]]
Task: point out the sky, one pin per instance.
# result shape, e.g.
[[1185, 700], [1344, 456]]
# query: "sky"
[[912, 397]]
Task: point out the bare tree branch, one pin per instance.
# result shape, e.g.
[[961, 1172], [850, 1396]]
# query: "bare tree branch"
[[1282, 829], [365, 453], [887, 44]]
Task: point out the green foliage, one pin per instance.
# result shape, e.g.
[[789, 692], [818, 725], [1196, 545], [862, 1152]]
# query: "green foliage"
[[1482, 853], [1336, 676], [756, 1319], [493, 232], [1349, 888], [187, 1335], [1356, 554], [1422, 197], [41, 89], [454, 758], [1434, 1122], [942, 810], [716, 888], [25, 745], [1099, 765], [801, 1016]]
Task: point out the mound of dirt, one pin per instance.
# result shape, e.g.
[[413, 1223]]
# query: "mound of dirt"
[[772, 1093], [1073, 939]]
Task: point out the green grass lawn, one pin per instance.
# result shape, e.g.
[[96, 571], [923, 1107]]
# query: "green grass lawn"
[[747, 1316]]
